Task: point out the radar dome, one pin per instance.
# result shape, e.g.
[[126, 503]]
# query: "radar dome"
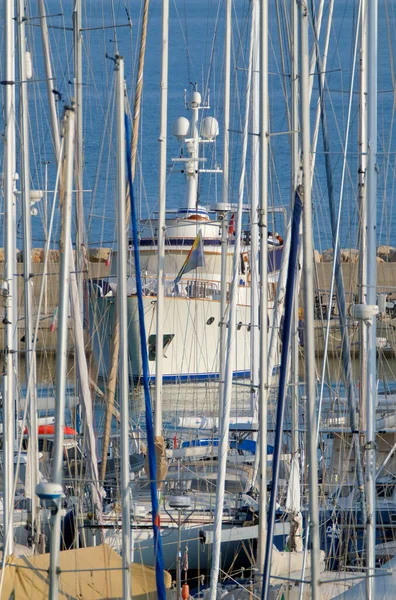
[[196, 98], [209, 128], [35, 195], [180, 128]]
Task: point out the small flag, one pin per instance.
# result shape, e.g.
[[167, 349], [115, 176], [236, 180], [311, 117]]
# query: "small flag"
[[231, 227], [195, 258], [54, 320]]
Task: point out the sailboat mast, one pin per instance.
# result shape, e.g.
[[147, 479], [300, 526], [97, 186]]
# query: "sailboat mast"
[[224, 224], [295, 162], [30, 355], [263, 229], [371, 293], [78, 94], [9, 289], [254, 254], [363, 211], [61, 354], [49, 79], [115, 338], [161, 221], [231, 340], [309, 303], [122, 310]]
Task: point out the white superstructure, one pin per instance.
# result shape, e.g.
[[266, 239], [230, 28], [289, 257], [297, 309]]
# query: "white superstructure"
[[192, 313]]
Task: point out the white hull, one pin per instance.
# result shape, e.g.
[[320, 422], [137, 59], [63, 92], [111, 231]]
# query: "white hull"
[[191, 326], [197, 536]]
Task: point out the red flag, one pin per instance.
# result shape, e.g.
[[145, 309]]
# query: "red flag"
[[52, 327], [231, 227]]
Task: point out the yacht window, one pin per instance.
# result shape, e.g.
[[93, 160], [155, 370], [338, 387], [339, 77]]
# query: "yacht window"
[[152, 344]]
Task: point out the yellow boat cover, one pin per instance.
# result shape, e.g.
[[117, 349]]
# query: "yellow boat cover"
[[85, 574]]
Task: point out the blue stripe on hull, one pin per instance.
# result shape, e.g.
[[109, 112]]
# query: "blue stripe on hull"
[[194, 377]]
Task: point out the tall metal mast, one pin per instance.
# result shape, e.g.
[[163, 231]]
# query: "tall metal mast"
[[224, 223], [9, 286], [363, 210], [263, 229], [122, 310], [295, 161], [371, 290], [78, 94], [161, 220], [309, 302], [30, 355], [254, 253], [49, 80], [61, 356], [231, 338], [115, 338]]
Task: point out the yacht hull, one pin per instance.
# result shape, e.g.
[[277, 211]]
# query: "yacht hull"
[[191, 337]]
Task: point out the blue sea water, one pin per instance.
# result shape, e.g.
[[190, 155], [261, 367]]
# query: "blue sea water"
[[196, 47]]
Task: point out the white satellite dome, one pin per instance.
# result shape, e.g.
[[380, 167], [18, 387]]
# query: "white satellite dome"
[[180, 128], [196, 98], [35, 195], [209, 128]]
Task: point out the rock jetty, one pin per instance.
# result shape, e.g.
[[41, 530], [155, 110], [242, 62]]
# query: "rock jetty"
[[385, 254], [92, 255], [351, 255]]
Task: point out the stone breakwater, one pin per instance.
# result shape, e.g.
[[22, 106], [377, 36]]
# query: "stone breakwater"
[[385, 254], [92, 255], [351, 255], [97, 265]]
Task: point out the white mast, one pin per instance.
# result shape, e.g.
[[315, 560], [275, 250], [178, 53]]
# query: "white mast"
[[231, 335], [371, 291], [363, 210], [122, 310], [9, 287], [254, 276], [30, 355], [224, 224], [191, 166], [263, 217], [78, 93], [49, 80], [161, 221], [115, 341], [295, 154], [61, 356], [309, 304]]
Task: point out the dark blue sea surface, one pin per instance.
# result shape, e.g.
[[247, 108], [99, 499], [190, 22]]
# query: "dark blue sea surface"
[[196, 53]]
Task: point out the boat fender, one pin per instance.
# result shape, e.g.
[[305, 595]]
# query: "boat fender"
[[185, 591]]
